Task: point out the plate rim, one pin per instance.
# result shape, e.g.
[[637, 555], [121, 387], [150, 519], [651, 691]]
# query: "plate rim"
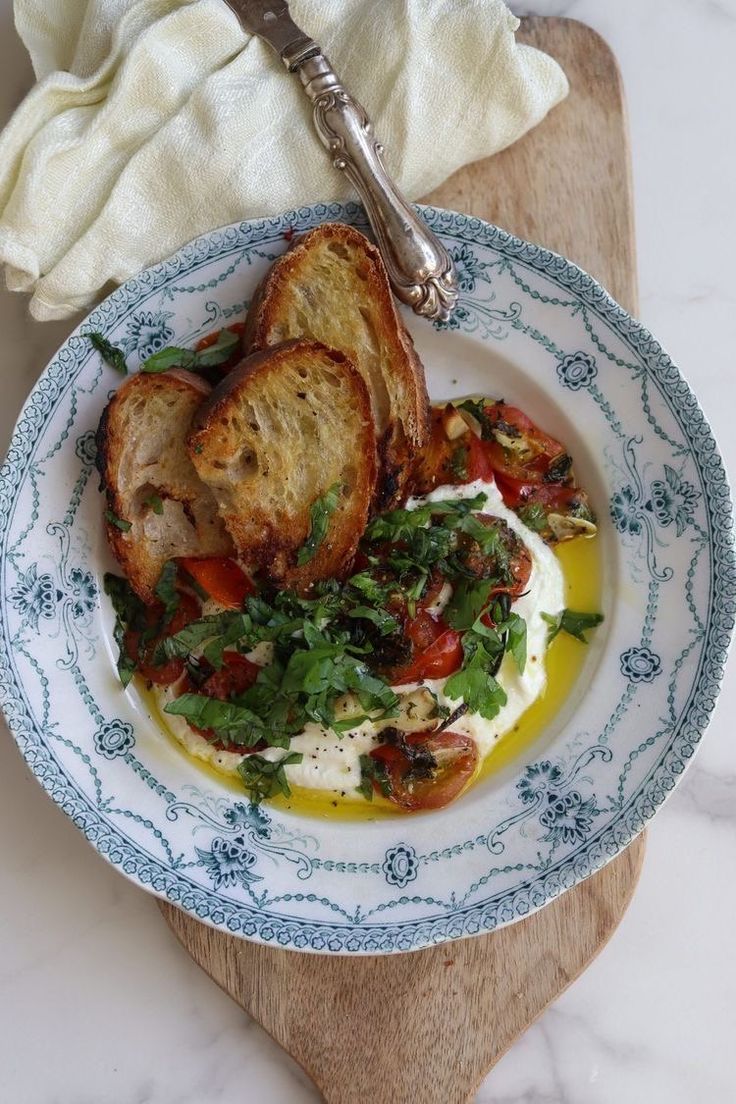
[[171, 885]]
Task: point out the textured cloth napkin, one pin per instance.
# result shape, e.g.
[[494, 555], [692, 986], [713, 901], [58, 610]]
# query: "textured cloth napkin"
[[155, 120]]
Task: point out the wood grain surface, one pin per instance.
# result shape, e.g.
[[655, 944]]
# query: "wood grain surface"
[[425, 1027]]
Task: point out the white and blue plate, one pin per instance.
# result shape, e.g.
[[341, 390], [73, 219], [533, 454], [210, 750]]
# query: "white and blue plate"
[[530, 328]]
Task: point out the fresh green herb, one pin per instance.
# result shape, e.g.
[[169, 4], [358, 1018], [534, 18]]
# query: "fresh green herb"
[[459, 463], [571, 622], [470, 599], [383, 621], [173, 356], [372, 770], [119, 523], [476, 687], [264, 778], [167, 593], [220, 351], [397, 525], [196, 633], [579, 508], [315, 663], [156, 503], [484, 646], [110, 353], [534, 516], [320, 513], [515, 629], [229, 720], [130, 612]]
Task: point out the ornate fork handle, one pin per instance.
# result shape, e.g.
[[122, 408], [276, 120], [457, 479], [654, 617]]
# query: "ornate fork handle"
[[419, 267]]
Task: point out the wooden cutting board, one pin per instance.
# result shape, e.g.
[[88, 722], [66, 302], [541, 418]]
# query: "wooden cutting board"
[[425, 1027]]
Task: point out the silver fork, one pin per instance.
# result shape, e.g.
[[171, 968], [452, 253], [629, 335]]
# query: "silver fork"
[[419, 267]]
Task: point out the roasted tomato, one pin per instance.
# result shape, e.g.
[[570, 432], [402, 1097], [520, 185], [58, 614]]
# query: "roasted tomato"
[[220, 578], [435, 651], [443, 460], [553, 497], [511, 563], [162, 674], [426, 770], [519, 449], [236, 675]]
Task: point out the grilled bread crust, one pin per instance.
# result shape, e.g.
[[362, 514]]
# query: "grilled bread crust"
[[161, 506], [332, 286], [274, 436]]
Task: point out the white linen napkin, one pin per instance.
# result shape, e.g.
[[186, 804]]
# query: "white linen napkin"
[[155, 120]]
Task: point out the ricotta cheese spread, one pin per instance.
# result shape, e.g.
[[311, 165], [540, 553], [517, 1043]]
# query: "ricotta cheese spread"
[[331, 761]]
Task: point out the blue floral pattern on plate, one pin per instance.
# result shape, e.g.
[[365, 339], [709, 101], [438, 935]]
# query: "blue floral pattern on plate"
[[512, 843]]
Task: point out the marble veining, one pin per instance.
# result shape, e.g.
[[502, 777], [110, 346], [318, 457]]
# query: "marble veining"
[[90, 977]]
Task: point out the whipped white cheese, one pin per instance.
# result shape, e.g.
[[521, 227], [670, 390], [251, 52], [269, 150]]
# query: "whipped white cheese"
[[330, 762]]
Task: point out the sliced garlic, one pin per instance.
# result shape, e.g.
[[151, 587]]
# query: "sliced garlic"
[[471, 422], [453, 423], [416, 710], [565, 528], [514, 444]]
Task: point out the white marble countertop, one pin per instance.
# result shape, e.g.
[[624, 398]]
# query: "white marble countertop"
[[99, 1004]]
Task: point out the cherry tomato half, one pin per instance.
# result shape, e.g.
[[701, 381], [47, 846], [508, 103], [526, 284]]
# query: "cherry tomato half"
[[478, 463], [487, 566], [436, 651], [442, 461], [221, 578], [554, 497], [236, 675], [537, 449], [456, 757], [163, 674]]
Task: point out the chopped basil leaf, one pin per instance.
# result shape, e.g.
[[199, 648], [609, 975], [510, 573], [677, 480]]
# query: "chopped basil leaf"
[[110, 353], [174, 356], [156, 503], [372, 770], [166, 591], [171, 357], [220, 351], [574, 623], [371, 589], [264, 778], [129, 613], [534, 516], [229, 720], [459, 463], [197, 632], [400, 524], [383, 621], [320, 513], [119, 523], [515, 629]]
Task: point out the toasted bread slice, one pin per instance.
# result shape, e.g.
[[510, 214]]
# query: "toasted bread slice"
[[332, 287], [158, 507], [274, 436]]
